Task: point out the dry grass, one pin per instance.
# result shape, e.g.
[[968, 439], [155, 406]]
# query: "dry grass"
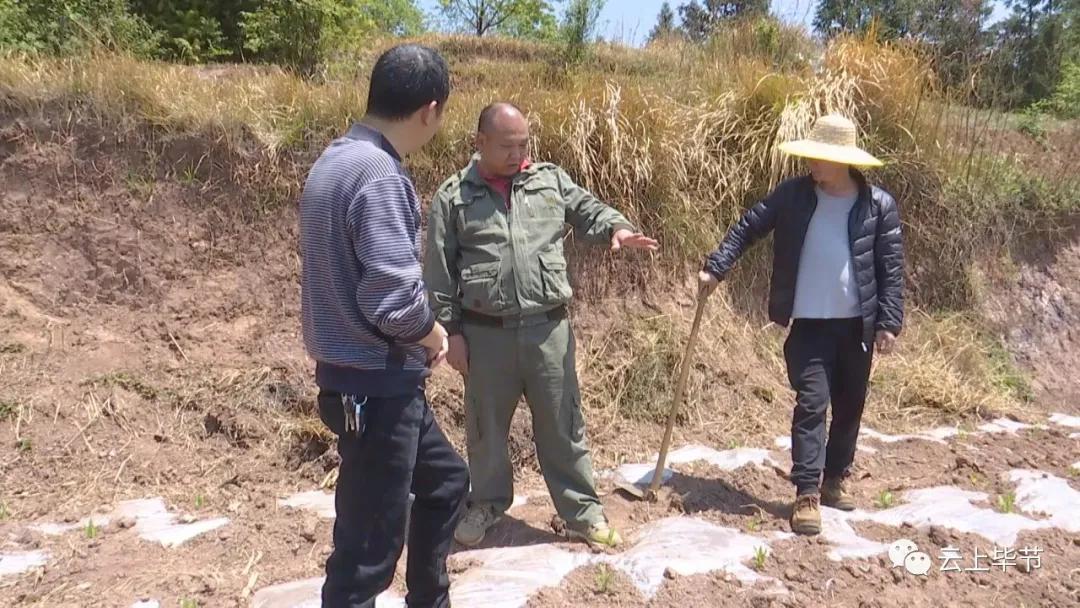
[[682, 138]]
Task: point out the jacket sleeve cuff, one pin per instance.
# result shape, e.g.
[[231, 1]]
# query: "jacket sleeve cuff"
[[453, 328], [622, 226], [710, 267], [429, 324], [892, 329]]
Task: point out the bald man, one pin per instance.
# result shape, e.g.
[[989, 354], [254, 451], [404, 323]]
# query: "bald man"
[[497, 281]]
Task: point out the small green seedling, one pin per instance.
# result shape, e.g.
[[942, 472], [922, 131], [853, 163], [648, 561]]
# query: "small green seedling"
[[188, 603], [760, 555], [200, 502], [754, 524], [1006, 503], [885, 499], [189, 176], [24, 445], [91, 530], [605, 579], [4, 513]]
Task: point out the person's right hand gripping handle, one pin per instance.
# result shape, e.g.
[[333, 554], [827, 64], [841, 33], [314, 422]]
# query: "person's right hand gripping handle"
[[757, 222]]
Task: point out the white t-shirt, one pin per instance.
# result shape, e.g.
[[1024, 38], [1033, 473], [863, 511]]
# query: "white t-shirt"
[[825, 287]]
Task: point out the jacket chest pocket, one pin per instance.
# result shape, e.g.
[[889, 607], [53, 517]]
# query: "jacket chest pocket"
[[542, 204], [479, 220], [480, 288], [553, 275]]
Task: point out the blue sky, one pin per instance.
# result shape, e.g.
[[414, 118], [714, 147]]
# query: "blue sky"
[[629, 21]]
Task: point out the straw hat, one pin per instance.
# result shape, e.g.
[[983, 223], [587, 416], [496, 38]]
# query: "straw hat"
[[832, 138]]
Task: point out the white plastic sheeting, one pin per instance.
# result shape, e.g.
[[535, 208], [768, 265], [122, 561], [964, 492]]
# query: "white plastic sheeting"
[[728, 460], [21, 561], [689, 546], [153, 522], [1065, 420], [508, 577], [1045, 494], [307, 594]]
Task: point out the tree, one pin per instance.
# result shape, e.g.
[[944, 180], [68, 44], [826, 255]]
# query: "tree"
[[700, 21], [515, 17], [893, 18], [665, 24], [955, 30], [579, 27], [535, 21], [1029, 49]]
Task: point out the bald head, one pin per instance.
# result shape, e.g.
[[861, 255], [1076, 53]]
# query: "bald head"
[[499, 115], [502, 139]]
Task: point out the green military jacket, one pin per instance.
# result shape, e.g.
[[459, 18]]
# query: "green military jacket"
[[486, 258]]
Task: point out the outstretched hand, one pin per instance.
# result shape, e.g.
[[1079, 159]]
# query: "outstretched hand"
[[632, 240]]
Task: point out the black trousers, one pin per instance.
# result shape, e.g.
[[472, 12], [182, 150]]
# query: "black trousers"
[[397, 449], [826, 360]]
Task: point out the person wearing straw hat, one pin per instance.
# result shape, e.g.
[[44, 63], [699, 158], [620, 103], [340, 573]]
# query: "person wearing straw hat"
[[838, 279]]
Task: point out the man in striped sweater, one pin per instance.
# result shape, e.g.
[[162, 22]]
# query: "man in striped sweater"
[[367, 324]]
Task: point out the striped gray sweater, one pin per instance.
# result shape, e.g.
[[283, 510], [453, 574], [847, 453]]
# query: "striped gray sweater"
[[363, 301]]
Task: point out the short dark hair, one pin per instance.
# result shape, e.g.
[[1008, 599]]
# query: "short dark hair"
[[406, 78], [487, 115]]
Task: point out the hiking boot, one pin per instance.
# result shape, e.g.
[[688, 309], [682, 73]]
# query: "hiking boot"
[[475, 524], [599, 535], [834, 495], [806, 514]]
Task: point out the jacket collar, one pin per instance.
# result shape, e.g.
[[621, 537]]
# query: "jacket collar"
[[473, 175], [362, 132]]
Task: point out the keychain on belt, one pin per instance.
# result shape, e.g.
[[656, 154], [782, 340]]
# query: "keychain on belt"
[[354, 414]]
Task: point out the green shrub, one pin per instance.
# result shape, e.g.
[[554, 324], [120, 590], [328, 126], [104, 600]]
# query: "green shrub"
[[62, 27]]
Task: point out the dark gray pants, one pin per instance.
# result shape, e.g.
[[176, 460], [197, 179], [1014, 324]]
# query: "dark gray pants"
[[826, 360], [398, 449]]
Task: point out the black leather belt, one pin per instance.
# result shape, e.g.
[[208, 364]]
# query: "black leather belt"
[[510, 322]]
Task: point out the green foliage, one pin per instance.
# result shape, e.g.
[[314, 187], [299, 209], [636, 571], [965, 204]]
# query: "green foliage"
[[197, 30], [700, 21], [890, 18], [1066, 100], [7, 409], [533, 19], [1029, 50], [579, 28], [71, 26], [665, 24], [605, 579], [1031, 124], [302, 33], [760, 555], [885, 499], [1006, 503]]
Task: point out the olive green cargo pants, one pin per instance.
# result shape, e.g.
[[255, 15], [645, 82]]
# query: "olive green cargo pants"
[[537, 361]]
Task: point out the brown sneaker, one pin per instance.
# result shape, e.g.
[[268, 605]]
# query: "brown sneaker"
[[834, 495], [806, 514]]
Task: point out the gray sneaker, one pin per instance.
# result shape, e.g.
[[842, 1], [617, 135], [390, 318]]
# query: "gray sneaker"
[[475, 524]]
